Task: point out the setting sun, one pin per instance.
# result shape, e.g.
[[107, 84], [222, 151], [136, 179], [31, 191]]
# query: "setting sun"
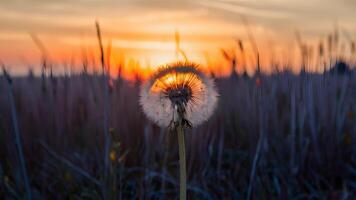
[[146, 36]]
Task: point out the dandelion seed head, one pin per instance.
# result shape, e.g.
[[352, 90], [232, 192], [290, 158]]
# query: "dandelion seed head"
[[179, 83]]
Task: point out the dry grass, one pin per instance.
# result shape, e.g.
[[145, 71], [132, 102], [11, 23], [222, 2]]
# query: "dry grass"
[[307, 150]]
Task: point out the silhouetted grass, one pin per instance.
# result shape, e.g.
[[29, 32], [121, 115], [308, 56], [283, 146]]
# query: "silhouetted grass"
[[305, 125]]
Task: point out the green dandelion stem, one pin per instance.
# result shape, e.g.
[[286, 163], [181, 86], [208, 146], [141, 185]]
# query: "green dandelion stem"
[[182, 164]]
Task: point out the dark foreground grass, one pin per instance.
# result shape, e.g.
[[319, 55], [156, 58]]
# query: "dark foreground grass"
[[275, 137]]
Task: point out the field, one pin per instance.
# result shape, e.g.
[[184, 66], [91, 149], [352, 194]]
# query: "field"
[[279, 136]]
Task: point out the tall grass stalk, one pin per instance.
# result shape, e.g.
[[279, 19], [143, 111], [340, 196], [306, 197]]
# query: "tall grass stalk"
[[17, 136], [253, 43], [259, 146], [178, 48], [107, 141]]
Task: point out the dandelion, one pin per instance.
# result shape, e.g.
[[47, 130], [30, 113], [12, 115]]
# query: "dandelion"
[[179, 96], [178, 89]]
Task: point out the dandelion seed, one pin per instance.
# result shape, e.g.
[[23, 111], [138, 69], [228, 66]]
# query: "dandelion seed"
[[179, 87]]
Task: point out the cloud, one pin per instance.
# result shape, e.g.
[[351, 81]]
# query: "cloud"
[[158, 19]]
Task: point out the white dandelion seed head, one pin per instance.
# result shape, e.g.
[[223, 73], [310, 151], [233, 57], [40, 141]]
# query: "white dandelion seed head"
[[181, 82]]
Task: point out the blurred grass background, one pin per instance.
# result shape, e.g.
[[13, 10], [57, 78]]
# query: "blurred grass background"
[[281, 136]]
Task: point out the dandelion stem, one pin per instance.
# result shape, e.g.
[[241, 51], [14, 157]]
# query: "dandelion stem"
[[182, 164]]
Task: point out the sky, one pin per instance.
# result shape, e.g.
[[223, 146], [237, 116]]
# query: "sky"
[[144, 31]]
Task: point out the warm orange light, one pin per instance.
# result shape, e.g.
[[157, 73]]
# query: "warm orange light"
[[174, 80], [164, 82]]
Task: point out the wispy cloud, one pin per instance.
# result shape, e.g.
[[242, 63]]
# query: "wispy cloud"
[[246, 9]]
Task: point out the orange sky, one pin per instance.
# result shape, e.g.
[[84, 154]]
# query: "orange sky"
[[144, 31]]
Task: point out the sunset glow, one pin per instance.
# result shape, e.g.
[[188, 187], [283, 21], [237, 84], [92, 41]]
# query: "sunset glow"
[[144, 35]]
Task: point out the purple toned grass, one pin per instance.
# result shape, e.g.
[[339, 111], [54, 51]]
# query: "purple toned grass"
[[307, 150]]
